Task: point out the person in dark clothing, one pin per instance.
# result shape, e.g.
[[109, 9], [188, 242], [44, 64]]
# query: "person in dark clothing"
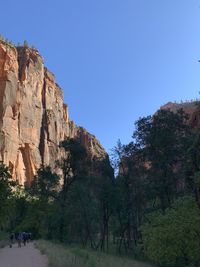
[[29, 236], [24, 237], [11, 239], [19, 239]]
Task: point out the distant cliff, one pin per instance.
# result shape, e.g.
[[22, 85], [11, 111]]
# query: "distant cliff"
[[33, 117], [192, 109]]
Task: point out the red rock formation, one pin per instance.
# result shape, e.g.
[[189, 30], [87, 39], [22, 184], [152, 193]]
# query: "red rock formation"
[[33, 117], [191, 108]]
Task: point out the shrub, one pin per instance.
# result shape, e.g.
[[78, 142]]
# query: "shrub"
[[173, 238]]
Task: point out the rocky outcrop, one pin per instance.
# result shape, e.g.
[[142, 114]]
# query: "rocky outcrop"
[[192, 109], [33, 117]]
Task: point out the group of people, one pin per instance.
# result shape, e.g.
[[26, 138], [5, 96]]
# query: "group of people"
[[22, 237]]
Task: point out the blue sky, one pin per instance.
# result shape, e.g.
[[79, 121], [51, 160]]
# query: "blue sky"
[[116, 60]]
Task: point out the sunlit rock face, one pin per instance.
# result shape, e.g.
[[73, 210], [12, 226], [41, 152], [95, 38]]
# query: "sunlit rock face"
[[33, 117]]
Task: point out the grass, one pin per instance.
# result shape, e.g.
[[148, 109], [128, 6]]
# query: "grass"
[[62, 256]]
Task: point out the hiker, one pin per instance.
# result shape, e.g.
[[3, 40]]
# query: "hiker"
[[11, 239], [16, 236], [19, 240], [24, 238]]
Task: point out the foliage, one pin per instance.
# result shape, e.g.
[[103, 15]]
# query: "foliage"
[[61, 256], [130, 195], [26, 44], [9, 43], [45, 184], [3, 239], [145, 209], [6, 187], [2, 38], [192, 166], [164, 140], [173, 238]]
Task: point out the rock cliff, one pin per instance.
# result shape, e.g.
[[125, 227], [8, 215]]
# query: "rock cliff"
[[33, 117], [192, 109]]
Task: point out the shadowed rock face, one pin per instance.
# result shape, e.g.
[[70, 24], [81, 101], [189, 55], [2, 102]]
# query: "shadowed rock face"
[[192, 109], [33, 117]]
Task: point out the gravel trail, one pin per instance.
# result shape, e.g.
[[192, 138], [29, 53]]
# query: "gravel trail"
[[26, 256]]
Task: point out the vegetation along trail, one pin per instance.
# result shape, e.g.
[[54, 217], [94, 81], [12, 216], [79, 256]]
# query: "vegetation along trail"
[[26, 256]]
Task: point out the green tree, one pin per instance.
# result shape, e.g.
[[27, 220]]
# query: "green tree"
[[26, 44], [74, 163], [1, 38], [90, 206], [105, 197], [164, 139], [41, 203], [130, 194], [173, 239], [45, 184], [74, 166], [6, 189], [193, 166]]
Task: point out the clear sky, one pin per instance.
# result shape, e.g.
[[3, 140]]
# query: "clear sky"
[[116, 60]]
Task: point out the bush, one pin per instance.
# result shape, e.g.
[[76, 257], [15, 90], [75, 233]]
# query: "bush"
[[173, 238]]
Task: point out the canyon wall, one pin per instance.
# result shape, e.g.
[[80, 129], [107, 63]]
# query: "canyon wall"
[[33, 117], [192, 109]]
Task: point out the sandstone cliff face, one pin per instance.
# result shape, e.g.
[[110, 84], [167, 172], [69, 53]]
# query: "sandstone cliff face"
[[192, 109], [33, 117]]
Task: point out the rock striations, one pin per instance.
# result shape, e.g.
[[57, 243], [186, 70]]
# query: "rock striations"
[[33, 117]]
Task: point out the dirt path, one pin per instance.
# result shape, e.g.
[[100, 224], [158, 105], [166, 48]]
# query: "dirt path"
[[27, 256]]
